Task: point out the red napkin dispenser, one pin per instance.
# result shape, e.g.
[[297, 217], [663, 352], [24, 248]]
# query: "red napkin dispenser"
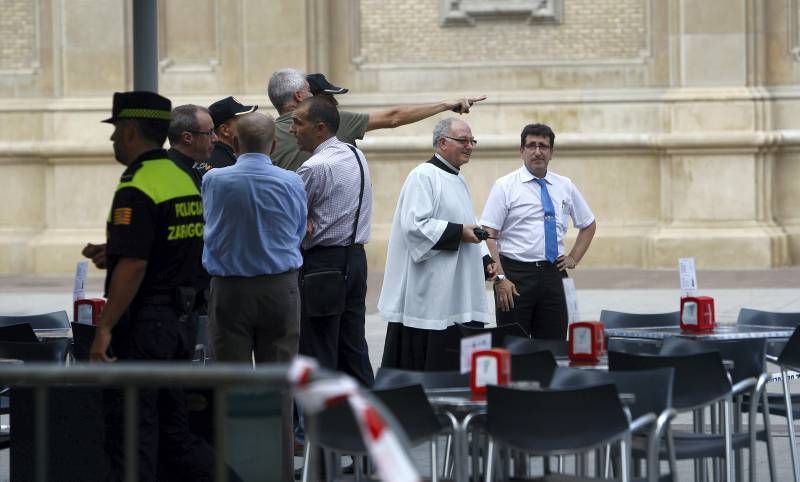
[[697, 313], [490, 367], [87, 310], [587, 341]]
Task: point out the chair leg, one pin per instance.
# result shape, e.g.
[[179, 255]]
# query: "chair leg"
[[768, 432], [787, 400], [726, 427], [434, 460], [447, 469], [306, 461], [489, 461]]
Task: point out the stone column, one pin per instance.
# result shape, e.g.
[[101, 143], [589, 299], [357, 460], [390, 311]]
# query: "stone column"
[[718, 156]]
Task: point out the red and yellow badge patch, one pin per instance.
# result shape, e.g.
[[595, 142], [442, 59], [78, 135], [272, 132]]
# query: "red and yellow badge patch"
[[122, 216]]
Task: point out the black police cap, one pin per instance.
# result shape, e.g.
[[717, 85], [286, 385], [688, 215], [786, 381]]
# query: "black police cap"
[[227, 108], [139, 104]]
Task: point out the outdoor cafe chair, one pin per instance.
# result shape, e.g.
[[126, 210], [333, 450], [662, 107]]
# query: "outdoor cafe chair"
[[750, 316], [619, 319], [700, 382], [44, 351], [789, 359], [336, 431], [411, 408], [82, 338], [20, 332], [56, 319], [518, 345], [652, 390], [40, 351], [398, 377], [538, 366], [557, 422], [634, 345], [749, 378], [499, 333], [429, 380]]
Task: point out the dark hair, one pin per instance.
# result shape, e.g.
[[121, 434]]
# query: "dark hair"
[[322, 110], [153, 130], [183, 119], [539, 130]]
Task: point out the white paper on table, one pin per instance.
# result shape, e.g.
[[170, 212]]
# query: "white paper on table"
[[688, 276], [470, 345], [79, 290], [571, 295]]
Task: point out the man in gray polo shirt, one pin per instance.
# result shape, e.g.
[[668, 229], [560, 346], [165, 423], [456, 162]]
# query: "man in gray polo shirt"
[[288, 87]]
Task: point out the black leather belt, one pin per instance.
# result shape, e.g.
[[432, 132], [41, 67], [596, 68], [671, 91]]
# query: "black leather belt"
[[527, 264]]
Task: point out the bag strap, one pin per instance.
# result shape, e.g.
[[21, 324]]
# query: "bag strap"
[[358, 213]]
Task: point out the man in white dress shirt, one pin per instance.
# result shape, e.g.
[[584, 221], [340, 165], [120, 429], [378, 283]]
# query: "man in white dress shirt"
[[434, 275], [528, 211]]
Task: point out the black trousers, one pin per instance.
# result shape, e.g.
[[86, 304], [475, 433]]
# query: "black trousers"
[[540, 308], [154, 333], [339, 342]]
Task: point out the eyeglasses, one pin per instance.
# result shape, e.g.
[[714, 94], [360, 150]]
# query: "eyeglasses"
[[463, 140], [537, 145], [209, 132]]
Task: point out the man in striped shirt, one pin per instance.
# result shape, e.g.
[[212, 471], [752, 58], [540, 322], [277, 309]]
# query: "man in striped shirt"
[[332, 177]]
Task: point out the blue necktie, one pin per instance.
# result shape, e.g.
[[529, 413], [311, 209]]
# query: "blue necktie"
[[550, 239]]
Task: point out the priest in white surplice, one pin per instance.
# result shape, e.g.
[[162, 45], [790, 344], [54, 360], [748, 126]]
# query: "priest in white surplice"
[[436, 265]]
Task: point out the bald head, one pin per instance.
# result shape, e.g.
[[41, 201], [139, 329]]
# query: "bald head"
[[255, 133]]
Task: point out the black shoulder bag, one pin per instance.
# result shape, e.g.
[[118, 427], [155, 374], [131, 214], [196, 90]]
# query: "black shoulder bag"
[[324, 292]]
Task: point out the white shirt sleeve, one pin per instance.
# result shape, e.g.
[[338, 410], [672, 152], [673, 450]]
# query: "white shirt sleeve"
[[582, 215], [416, 209], [494, 213]]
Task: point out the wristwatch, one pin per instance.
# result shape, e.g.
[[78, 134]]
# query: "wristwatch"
[[499, 278]]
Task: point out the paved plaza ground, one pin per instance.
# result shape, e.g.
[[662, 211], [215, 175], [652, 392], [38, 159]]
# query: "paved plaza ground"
[[633, 290]]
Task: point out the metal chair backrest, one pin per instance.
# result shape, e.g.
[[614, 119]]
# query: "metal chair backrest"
[[82, 338], [651, 388], [790, 356], [499, 333], [555, 421], [396, 377], [619, 319], [538, 366], [634, 345], [56, 319], [748, 356], [411, 408], [700, 378], [749, 316], [19, 332], [518, 345], [43, 351]]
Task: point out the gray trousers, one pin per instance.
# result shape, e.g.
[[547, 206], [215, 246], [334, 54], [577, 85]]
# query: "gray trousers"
[[254, 318]]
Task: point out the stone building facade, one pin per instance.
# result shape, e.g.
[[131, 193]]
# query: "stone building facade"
[[674, 117]]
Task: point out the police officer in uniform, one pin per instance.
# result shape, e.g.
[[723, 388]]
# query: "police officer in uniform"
[[225, 113], [154, 241]]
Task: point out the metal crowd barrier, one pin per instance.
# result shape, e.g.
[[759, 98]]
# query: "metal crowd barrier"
[[130, 377]]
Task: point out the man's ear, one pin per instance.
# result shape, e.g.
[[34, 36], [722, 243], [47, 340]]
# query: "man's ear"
[[186, 137]]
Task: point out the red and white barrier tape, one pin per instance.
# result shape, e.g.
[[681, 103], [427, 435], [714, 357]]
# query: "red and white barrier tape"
[[384, 447]]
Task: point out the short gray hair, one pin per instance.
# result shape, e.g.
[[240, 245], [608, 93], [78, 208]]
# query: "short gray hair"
[[183, 119], [442, 129], [282, 86]]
